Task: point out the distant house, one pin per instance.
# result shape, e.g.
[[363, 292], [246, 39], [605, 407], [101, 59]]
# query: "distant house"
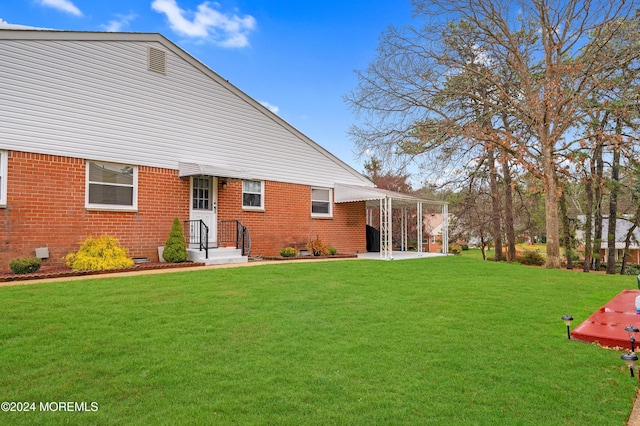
[[622, 228], [433, 228], [120, 133]]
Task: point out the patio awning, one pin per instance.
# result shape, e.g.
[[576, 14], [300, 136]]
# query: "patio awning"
[[344, 193], [385, 200], [196, 169]]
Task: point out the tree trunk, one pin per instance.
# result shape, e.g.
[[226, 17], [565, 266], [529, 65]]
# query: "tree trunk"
[[627, 243], [613, 204], [508, 199], [495, 204], [508, 210], [550, 202], [597, 206], [566, 231], [586, 265]]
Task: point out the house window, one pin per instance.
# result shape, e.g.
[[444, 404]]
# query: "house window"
[[321, 202], [433, 239], [111, 186], [201, 193], [252, 195], [3, 178]]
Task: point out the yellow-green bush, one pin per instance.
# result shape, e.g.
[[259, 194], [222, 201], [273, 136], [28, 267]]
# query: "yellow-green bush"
[[288, 252], [98, 254]]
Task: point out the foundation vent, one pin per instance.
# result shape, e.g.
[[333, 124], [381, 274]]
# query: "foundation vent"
[[157, 60]]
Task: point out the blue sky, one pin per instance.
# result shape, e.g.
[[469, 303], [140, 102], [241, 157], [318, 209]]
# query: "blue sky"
[[297, 57]]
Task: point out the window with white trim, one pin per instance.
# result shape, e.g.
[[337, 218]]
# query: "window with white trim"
[[321, 202], [252, 195], [112, 186], [3, 178]]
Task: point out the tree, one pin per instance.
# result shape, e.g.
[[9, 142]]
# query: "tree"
[[175, 249], [542, 61]]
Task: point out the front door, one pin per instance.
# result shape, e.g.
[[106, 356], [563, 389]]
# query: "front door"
[[204, 204]]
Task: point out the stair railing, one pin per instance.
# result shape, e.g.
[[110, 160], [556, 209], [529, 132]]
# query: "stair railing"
[[197, 234]]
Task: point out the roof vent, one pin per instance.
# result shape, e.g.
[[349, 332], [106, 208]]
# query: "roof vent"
[[157, 60]]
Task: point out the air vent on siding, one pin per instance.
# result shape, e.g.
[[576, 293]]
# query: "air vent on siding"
[[157, 60]]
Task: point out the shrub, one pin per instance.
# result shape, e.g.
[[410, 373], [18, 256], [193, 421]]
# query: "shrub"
[[529, 257], [465, 247], [288, 252], [318, 247], [455, 249], [332, 251], [175, 249], [25, 265], [99, 254], [632, 269]]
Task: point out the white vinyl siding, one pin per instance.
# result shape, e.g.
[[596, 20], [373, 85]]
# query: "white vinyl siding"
[[321, 202], [62, 89], [252, 195], [3, 178], [111, 186]]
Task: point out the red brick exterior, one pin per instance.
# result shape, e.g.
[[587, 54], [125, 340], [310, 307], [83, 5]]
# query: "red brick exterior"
[[286, 219], [46, 208]]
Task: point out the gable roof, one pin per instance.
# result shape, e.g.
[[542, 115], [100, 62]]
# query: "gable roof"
[[622, 228], [90, 95]]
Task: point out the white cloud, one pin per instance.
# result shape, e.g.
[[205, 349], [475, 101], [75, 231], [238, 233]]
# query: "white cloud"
[[118, 24], [274, 109], [7, 26], [227, 30], [62, 5]]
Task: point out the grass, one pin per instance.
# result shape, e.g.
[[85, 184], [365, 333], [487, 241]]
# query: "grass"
[[432, 341]]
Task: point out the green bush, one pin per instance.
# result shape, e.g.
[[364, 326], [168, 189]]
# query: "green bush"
[[25, 265], [332, 251], [175, 249], [288, 252], [632, 268], [529, 257], [99, 254], [465, 247]]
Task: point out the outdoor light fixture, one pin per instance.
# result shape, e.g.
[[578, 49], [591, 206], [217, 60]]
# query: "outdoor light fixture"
[[630, 359], [567, 321], [632, 330]]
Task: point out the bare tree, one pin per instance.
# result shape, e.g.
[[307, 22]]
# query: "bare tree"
[[541, 59]]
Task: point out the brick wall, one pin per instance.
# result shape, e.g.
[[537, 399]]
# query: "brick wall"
[[46, 208], [286, 219]]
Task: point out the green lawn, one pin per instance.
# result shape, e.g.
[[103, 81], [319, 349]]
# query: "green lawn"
[[445, 341]]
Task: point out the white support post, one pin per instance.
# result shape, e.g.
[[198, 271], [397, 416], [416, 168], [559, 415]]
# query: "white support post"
[[419, 225], [401, 229], [383, 228], [445, 229], [389, 254]]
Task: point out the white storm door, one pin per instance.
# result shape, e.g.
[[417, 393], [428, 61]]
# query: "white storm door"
[[204, 204]]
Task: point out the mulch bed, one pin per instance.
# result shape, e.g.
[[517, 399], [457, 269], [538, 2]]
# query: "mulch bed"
[[310, 257], [57, 272]]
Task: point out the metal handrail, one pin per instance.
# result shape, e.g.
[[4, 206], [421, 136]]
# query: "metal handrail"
[[198, 233], [232, 232]]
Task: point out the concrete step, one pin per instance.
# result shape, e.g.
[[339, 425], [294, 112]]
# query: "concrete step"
[[217, 256]]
